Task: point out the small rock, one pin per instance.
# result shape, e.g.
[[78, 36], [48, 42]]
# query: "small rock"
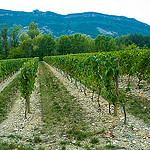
[[15, 129], [133, 141], [135, 129], [125, 140], [107, 135], [74, 141]]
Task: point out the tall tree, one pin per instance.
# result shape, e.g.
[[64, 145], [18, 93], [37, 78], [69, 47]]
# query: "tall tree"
[[33, 30], [26, 44], [78, 43], [64, 45], [45, 45], [101, 43], [4, 39], [14, 35], [112, 45]]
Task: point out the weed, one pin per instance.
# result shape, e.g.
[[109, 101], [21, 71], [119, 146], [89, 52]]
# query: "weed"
[[41, 148], [87, 147], [11, 136], [7, 146], [19, 137], [78, 144], [30, 140], [63, 147], [37, 139], [94, 140], [63, 142], [109, 146]]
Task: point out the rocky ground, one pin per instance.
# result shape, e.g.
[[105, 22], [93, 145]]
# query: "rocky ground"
[[7, 81], [18, 129], [133, 136]]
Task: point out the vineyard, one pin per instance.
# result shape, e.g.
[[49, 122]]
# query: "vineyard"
[[78, 101], [100, 72]]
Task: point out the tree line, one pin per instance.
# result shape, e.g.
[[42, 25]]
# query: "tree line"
[[17, 43]]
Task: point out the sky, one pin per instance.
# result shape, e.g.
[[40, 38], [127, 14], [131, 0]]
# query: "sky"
[[138, 9]]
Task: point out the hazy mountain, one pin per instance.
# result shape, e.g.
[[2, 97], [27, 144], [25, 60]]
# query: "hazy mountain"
[[89, 23]]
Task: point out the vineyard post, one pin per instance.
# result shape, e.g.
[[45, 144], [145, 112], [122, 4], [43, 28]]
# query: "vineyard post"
[[116, 87], [27, 103], [26, 107], [117, 92]]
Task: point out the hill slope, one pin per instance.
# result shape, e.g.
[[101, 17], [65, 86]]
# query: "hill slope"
[[89, 23]]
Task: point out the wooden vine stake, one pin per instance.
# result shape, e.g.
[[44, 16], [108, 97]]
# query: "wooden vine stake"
[[26, 101], [116, 86], [117, 94]]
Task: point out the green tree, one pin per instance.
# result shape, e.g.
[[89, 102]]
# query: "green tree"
[[14, 35], [26, 44], [91, 45], [112, 45], [16, 52], [79, 43], [1, 49], [46, 46], [64, 45], [33, 30], [101, 43], [4, 39]]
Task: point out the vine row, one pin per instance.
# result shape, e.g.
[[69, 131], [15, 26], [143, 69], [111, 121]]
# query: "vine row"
[[100, 71], [27, 80]]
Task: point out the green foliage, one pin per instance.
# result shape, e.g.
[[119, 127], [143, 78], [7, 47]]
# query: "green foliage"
[[14, 35], [16, 52], [101, 43], [4, 39], [63, 147], [98, 71], [27, 80], [94, 140], [33, 30], [27, 77], [9, 66], [109, 146], [8, 146], [37, 139]]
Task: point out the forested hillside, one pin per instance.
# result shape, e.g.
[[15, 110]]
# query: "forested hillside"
[[14, 43], [88, 23]]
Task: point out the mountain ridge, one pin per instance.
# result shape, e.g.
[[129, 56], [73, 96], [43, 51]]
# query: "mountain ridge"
[[88, 23]]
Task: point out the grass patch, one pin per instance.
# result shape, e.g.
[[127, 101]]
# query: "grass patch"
[[94, 140], [138, 107], [7, 96], [60, 110], [109, 146], [11, 136], [37, 139], [7, 146]]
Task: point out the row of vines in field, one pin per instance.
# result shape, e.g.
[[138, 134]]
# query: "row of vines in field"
[[27, 80], [100, 71], [9, 66], [28, 67]]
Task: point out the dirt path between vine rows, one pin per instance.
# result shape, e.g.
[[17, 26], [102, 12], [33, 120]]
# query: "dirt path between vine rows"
[[135, 135], [18, 129], [7, 81]]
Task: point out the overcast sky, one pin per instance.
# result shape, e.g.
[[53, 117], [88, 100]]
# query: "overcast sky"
[[138, 9]]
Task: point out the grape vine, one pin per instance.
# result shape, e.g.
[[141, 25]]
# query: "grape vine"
[[27, 80], [100, 71]]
